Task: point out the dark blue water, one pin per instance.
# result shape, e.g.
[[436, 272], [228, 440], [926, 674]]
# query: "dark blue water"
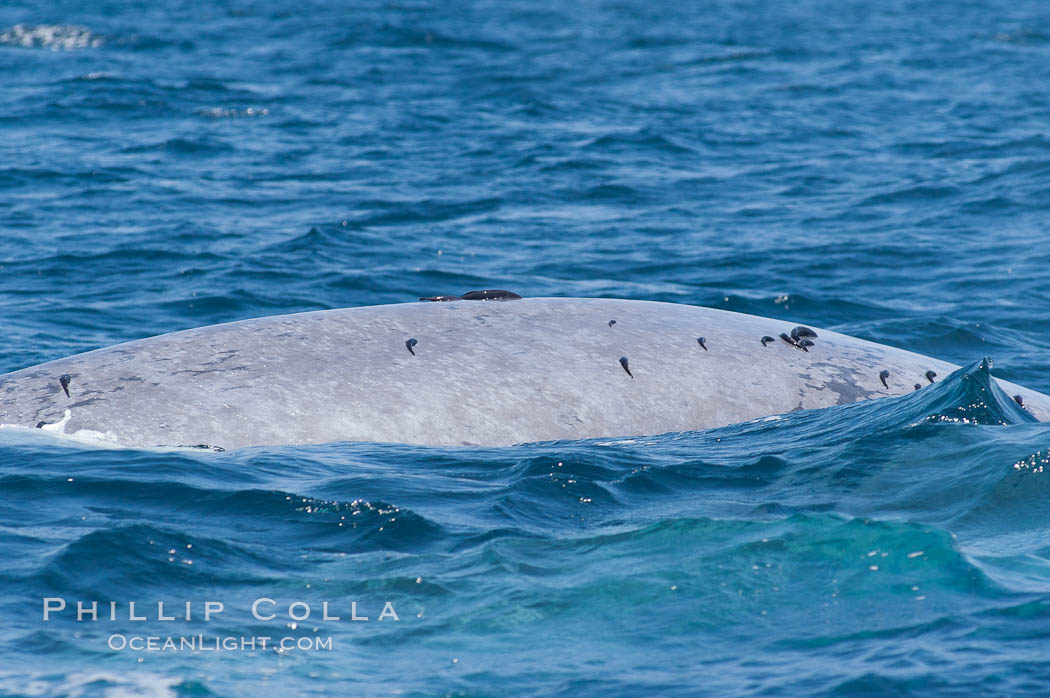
[[882, 169]]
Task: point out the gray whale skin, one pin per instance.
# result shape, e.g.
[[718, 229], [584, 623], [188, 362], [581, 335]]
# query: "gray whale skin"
[[478, 373]]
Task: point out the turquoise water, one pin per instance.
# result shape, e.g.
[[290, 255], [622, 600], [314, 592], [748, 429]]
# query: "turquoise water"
[[883, 171]]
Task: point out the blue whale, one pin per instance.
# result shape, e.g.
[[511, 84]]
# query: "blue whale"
[[462, 372]]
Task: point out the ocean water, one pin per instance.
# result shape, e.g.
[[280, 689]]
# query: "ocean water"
[[880, 169]]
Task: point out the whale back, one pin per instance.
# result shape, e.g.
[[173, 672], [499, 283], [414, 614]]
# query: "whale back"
[[460, 373]]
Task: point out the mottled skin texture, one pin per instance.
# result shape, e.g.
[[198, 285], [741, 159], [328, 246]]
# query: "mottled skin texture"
[[482, 372]]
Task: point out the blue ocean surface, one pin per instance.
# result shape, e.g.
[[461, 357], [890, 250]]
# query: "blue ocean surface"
[[880, 169]]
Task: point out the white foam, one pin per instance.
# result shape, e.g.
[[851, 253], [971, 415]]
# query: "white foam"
[[57, 37], [87, 683], [80, 437], [90, 437], [59, 427]]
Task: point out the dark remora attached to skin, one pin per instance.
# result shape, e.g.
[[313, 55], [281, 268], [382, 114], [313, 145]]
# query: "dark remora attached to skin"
[[496, 294], [461, 372]]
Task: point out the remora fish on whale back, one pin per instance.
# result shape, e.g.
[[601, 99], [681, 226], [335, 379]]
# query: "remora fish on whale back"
[[461, 372]]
